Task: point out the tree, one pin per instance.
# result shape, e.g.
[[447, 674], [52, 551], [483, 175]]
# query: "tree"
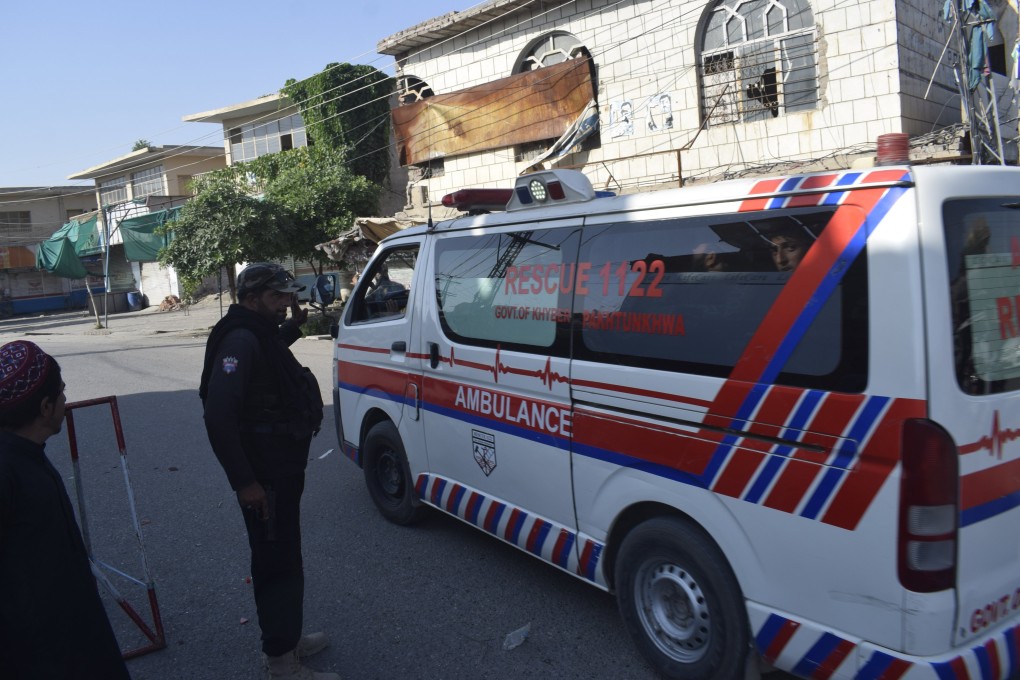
[[222, 226], [141, 144], [319, 196], [346, 106]]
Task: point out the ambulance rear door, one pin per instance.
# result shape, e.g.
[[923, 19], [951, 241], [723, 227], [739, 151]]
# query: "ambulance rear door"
[[970, 228]]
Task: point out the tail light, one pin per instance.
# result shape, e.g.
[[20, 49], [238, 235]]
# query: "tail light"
[[927, 543]]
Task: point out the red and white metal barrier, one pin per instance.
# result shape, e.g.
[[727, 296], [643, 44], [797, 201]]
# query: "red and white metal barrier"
[[155, 633]]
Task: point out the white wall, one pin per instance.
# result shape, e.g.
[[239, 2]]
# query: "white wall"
[[874, 59]]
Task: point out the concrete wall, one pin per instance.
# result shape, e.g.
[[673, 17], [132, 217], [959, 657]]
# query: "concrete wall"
[[179, 170], [47, 207], [922, 36], [29, 289], [874, 60]]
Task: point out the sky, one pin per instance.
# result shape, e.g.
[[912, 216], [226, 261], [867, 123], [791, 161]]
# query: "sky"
[[84, 81]]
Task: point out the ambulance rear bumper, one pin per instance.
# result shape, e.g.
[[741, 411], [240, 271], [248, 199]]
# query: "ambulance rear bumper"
[[809, 650]]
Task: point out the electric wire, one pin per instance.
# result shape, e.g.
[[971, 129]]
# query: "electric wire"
[[404, 64]]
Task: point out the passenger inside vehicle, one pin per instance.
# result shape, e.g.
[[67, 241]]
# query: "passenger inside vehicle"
[[385, 297], [789, 246], [708, 259]]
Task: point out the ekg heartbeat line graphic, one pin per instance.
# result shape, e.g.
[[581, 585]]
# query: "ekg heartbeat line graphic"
[[548, 376], [994, 440]]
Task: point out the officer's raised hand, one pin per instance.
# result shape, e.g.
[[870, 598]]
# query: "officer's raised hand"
[[297, 314]]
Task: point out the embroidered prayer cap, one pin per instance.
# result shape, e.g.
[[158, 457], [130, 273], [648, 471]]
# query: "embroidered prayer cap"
[[261, 275], [23, 370]]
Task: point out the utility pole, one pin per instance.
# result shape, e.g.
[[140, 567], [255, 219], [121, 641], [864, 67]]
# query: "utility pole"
[[979, 100]]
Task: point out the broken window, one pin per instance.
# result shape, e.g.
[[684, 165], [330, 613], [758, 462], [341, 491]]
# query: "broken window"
[[413, 89], [552, 48], [758, 59]]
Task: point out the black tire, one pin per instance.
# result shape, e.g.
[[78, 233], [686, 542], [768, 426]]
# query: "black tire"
[[388, 476], [681, 603]]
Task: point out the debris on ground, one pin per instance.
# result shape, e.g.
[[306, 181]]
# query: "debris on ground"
[[516, 638], [171, 303]]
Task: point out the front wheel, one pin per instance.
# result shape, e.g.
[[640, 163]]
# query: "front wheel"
[[388, 475], [681, 603]]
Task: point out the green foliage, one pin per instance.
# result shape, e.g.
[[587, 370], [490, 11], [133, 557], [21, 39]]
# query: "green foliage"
[[308, 195], [320, 197], [222, 225], [317, 324], [346, 107], [141, 144], [188, 285]]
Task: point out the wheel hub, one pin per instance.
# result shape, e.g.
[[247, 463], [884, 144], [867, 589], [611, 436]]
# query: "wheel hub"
[[389, 474], [674, 611]]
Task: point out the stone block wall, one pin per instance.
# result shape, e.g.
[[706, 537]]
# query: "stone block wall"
[[874, 59]]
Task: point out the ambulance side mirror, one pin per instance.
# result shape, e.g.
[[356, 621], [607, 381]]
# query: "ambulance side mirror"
[[324, 291]]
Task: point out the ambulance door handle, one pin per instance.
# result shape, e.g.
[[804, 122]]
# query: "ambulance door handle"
[[398, 346], [433, 354]]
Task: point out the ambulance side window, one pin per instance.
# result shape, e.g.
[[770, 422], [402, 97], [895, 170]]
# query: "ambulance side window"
[[382, 292], [507, 289], [983, 251], [689, 295]]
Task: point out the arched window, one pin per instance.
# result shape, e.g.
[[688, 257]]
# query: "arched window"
[[758, 59], [413, 89], [551, 48]]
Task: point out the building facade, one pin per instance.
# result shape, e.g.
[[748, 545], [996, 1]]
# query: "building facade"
[[273, 123], [254, 128], [29, 215], [681, 91], [133, 189]]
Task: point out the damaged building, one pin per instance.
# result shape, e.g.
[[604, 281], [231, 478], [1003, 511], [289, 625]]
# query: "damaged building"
[[646, 94]]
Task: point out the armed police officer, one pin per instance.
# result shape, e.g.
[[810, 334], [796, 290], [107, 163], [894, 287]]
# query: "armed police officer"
[[262, 409]]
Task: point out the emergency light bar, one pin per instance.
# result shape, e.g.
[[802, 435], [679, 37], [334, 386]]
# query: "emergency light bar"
[[548, 187], [475, 201]]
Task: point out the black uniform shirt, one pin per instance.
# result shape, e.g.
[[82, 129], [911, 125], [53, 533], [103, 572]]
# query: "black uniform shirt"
[[241, 381]]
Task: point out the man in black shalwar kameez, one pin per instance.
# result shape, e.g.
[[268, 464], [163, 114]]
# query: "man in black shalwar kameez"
[[52, 623]]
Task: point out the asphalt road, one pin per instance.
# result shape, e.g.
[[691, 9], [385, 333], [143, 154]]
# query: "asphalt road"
[[433, 601]]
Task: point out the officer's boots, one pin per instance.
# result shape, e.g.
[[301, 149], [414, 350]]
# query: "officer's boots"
[[288, 667]]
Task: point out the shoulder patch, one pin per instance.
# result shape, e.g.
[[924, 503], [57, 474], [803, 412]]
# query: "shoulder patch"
[[229, 365]]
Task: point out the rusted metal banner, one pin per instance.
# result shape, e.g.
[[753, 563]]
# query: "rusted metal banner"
[[527, 107]]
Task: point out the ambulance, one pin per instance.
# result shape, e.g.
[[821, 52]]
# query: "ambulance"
[[777, 418]]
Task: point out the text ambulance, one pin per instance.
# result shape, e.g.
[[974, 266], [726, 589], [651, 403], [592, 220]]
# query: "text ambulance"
[[777, 417]]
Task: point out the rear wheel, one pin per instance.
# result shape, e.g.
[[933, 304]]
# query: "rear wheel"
[[681, 603], [388, 475]]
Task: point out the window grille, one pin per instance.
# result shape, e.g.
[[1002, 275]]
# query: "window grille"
[[758, 59]]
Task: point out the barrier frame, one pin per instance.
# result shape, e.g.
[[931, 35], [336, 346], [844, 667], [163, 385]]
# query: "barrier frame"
[[155, 634]]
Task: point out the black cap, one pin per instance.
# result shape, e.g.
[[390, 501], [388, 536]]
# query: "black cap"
[[261, 275]]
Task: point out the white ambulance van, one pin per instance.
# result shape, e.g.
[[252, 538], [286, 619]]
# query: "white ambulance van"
[[778, 418]]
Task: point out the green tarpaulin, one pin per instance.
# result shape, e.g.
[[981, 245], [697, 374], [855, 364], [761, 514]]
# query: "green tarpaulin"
[[61, 252], [141, 242]]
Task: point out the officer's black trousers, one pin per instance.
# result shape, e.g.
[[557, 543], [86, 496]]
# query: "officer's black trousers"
[[276, 568]]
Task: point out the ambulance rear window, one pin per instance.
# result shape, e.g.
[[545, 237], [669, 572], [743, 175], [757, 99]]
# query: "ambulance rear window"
[[983, 256]]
